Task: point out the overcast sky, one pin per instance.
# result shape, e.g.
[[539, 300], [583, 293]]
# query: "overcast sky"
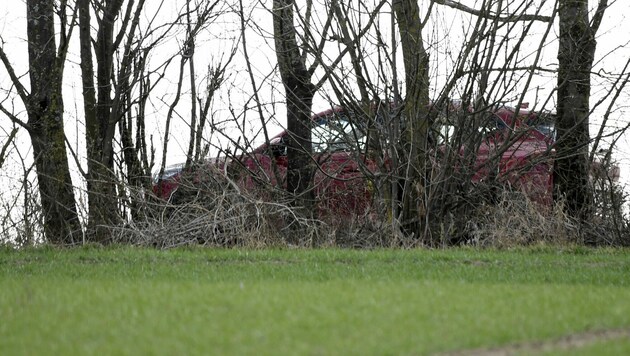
[[612, 39]]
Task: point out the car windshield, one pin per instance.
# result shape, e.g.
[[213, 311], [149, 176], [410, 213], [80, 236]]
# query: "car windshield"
[[336, 133], [169, 172]]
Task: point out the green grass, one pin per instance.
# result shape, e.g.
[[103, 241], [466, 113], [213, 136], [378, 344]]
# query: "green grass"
[[200, 301]]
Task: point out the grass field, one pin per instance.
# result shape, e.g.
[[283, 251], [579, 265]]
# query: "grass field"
[[127, 301]]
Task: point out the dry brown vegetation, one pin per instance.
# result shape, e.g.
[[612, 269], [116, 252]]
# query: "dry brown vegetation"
[[218, 213]]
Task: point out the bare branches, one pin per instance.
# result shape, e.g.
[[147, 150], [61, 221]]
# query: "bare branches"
[[253, 82], [21, 90], [125, 23], [355, 41], [599, 14], [492, 15], [6, 145], [14, 118], [66, 33]]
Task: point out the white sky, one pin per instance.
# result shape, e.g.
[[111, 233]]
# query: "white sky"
[[443, 36]]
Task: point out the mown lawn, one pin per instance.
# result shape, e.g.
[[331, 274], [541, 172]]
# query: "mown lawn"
[[128, 301]]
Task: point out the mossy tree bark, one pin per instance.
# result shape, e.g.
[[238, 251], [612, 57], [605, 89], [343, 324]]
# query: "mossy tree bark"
[[44, 106]]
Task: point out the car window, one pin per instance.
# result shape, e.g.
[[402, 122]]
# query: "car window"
[[547, 129], [544, 123], [445, 134], [337, 133], [169, 172]]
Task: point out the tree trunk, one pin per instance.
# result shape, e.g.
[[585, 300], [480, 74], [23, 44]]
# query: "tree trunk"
[[575, 58], [99, 119], [45, 119], [299, 95], [414, 138]]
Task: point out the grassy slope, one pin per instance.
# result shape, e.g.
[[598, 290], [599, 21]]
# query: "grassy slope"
[[133, 301]]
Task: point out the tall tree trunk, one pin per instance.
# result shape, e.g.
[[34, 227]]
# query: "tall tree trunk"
[[45, 119], [299, 95], [99, 118], [415, 135], [575, 58]]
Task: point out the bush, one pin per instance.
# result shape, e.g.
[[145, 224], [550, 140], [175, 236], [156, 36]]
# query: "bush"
[[218, 211]]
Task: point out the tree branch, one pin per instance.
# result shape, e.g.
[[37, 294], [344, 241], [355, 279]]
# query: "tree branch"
[[14, 78], [6, 145], [14, 118], [490, 15], [346, 49], [599, 14]]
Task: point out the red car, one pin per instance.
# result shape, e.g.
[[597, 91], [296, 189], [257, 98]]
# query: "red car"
[[339, 179], [520, 152], [518, 143]]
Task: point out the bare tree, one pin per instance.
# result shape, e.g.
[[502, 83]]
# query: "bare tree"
[[414, 145], [576, 54], [45, 109], [299, 90], [108, 104], [431, 183]]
